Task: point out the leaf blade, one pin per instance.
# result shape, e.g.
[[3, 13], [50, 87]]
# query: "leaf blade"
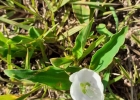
[[81, 40], [104, 56], [53, 77]]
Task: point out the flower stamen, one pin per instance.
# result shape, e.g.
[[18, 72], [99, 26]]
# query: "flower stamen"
[[87, 89]]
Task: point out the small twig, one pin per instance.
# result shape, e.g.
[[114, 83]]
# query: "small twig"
[[130, 67], [134, 50]]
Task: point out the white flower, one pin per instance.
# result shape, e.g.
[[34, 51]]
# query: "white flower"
[[86, 85]]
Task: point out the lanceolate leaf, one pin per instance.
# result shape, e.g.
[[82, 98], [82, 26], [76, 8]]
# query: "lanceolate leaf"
[[104, 56], [81, 40], [55, 78]]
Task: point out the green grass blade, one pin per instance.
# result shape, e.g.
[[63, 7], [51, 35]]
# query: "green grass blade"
[[27, 60], [25, 8], [116, 79], [105, 79], [9, 58], [26, 27], [126, 74], [71, 31], [93, 3], [115, 17], [92, 46], [42, 48], [49, 31]]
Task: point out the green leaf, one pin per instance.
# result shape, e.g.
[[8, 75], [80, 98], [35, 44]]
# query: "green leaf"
[[80, 41], [82, 13], [104, 56], [105, 79], [50, 35], [33, 33], [50, 32], [73, 69], [8, 97], [101, 29], [2, 38], [55, 78], [64, 2], [28, 57], [15, 52], [2, 51], [2, 44], [22, 39], [3, 41], [57, 62], [19, 53]]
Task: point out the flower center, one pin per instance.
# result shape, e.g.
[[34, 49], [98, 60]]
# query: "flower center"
[[84, 87], [87, 89]]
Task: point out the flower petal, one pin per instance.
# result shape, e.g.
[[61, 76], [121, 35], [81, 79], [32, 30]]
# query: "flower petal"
[[76, 92], [92, 88], [72, 76]]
